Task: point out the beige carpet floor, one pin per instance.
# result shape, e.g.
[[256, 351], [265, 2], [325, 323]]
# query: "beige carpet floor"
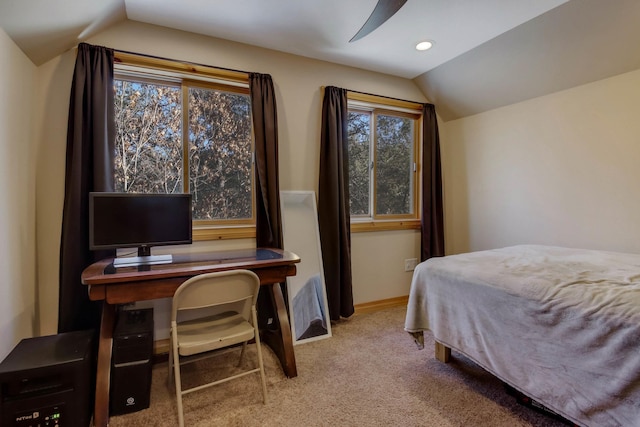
[[369, 373]]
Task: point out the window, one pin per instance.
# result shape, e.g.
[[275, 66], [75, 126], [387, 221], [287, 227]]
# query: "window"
[[383, 146], [176, 132]]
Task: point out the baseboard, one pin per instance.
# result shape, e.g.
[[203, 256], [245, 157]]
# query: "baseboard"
[[372, 306], [161, 347]]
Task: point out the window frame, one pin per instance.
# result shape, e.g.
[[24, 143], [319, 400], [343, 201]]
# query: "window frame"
[[359, 102], [128, 66]]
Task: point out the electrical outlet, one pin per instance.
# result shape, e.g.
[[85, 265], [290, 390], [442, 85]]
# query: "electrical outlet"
[[410, 264]]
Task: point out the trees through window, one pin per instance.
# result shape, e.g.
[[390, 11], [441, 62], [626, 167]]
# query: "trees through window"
[[186, 136], [383, 150]]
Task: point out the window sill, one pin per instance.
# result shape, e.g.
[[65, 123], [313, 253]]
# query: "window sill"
[[223, 233], [204, 234], [362, 227]]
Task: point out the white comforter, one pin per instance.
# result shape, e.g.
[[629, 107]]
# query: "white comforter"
[[560, 325]]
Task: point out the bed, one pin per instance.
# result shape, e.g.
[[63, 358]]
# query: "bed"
[[560, 325]]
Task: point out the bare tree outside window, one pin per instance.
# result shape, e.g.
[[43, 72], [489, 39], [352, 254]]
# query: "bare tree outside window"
[[359, 144], [148, 138], [394, 165], [381, 147], [218, 142], [220, 154]]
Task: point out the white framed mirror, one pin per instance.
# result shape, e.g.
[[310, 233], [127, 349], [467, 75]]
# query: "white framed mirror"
[[307, 295]]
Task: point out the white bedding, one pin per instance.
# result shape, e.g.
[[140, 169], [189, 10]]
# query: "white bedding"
[[560, 325]]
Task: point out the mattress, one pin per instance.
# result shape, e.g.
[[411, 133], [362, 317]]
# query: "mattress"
[[561, 325]]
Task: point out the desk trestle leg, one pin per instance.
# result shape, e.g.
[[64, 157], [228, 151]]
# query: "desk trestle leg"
[[280, 339]]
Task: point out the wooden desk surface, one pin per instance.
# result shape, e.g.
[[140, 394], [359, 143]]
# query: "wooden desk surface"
[[129, 284], [103, 272]]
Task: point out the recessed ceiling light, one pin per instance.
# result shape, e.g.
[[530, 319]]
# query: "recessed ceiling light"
[[425, 45]]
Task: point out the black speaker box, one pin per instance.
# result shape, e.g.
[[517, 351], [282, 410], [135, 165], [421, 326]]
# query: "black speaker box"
[[48, 381], [131, 361]]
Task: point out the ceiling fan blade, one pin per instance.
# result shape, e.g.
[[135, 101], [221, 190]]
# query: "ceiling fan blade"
[[384, 10]]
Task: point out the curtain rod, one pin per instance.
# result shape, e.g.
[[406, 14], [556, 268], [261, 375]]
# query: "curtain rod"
[[247, 73], [160, 58], [384, 96], [180, 61]]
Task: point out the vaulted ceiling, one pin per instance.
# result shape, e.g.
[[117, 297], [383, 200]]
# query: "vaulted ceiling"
[[486, 53]]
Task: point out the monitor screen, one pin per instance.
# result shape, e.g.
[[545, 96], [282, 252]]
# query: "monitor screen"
[[126, 220]]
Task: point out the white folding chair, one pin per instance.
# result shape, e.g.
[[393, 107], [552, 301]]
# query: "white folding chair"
[[231, 296]]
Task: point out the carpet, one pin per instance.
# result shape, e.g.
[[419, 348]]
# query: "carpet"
[[369, 373]]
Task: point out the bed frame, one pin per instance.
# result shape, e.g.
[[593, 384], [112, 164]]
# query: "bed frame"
[[443, 353]]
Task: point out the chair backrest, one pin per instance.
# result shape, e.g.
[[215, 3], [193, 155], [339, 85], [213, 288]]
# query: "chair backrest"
[[236, 288]]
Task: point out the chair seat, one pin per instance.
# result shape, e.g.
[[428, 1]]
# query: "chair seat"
[[213, 332]]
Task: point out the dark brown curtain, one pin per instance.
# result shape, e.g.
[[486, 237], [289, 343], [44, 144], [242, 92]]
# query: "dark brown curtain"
[[265, 125], [268, 216], [432, 243], [333, 203], [89, 167]]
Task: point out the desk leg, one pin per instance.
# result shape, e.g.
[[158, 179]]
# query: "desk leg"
[[101, 410], [280, 339]]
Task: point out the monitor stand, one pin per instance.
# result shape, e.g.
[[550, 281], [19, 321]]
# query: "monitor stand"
[[144, 258]]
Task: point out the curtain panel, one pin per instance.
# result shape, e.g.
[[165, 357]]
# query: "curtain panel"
[[432, 215], [268, 214], [265, 126], [333, 203], [89, 167]]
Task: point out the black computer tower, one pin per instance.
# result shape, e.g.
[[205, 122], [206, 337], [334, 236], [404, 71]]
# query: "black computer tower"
[[48, 381], [131, 361]]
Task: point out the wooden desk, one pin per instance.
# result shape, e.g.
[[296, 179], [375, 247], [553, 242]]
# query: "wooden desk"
[[130, 284]]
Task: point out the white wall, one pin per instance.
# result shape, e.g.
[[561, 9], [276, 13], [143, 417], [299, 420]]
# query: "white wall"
[[54, 85], [378, 257], [17, 192], [563, 169]]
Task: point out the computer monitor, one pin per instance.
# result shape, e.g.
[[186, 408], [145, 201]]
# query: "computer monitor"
[[135, 220]]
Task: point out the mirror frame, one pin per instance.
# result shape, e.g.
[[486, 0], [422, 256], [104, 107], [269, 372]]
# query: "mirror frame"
[[307, 294]]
